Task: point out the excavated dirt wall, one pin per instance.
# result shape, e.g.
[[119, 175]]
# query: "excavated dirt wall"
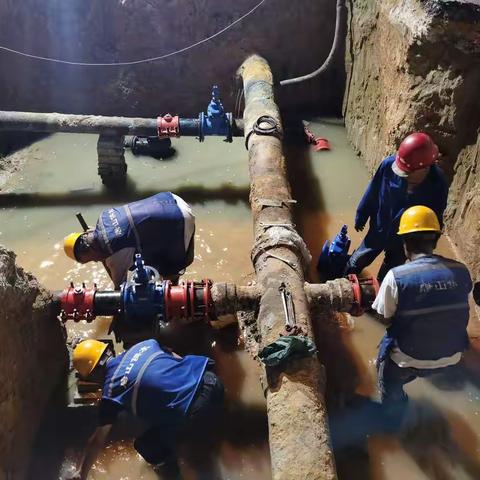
[[415, 65], [32, 359], [295, 37]]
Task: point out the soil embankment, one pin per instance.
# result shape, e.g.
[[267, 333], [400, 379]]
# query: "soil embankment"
[[415, 66], [32, 360]]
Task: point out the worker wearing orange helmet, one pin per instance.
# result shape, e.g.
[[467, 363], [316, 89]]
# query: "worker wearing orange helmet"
[[407, 178], [426, 305]]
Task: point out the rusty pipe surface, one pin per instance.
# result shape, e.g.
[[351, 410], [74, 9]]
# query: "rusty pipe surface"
[[298, 428], [229, 298], [67, 123], [336, 295], [59, 122]]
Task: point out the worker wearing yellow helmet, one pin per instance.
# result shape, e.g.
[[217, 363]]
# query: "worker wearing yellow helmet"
[[146, 381], [425, 303], [160, 227]]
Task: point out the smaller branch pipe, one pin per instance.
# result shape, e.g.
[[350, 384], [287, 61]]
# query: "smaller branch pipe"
[[204, 300], [336, 295], [333, 52], [227, 298], [67, 123]]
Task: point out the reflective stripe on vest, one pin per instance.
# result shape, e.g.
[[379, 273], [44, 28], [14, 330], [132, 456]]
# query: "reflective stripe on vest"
[[423, 311], [134, 228], [128, 356], [138, 380]]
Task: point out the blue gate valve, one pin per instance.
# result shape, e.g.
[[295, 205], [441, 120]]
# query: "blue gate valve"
[[216, 121], [334, 257], [143, 295]]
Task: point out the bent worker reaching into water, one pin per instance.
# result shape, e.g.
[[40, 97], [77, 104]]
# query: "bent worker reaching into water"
[[160, 227], [162, 388], [426, 305], [408, 178]]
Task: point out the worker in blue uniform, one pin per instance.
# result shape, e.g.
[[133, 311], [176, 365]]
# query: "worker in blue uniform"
[[160, 227], [426, 305], [160, 387], [408, 178]]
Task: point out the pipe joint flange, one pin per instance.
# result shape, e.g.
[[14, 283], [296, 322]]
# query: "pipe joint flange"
[[265, 125], [281, 237], [364, 292], [168, 126]]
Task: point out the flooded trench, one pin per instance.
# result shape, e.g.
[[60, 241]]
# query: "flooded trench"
[[59, 178]]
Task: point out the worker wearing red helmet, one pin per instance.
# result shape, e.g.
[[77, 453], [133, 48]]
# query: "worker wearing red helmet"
[[409, 177]]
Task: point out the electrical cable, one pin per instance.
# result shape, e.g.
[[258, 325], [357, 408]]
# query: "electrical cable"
[[134, 62], [333, 51]]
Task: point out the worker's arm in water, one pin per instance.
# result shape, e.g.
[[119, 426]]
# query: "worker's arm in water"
[[94, 445], [386, 301], [369, 202]]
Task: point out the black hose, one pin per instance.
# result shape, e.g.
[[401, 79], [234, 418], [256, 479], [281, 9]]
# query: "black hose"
[[333, 52]]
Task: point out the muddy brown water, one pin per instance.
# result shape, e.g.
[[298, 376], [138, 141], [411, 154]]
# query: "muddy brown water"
[[59, 178]]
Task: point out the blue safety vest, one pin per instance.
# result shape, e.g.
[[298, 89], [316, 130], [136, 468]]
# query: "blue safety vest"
[[432, 310], [152, 384], [153, 226], [387, 197]]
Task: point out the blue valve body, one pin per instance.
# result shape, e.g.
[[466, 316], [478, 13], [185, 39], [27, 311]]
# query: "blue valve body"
[[334, 256], [216, 121], [143, 295]]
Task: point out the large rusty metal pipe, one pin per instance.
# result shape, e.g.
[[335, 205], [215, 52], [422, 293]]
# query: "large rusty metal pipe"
[[297, 418]]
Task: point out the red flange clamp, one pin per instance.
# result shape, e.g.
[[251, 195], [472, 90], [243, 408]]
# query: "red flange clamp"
[[364, 292], [189, 301], [77, 303], [168, 126], [176, 301]]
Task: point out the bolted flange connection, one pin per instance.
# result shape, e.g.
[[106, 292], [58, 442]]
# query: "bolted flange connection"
[[168, 126], [353, 295], [77, 303], [187, 302], [364, 292]]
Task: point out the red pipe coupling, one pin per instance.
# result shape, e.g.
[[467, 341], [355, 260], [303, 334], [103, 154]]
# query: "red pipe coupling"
[[168, 126], [189, 301], [318, 143], [77, 303], [364, 292]]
